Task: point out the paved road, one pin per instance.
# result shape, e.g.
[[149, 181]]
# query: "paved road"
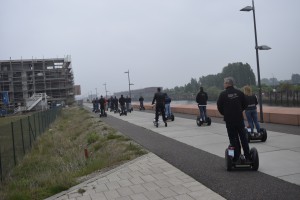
[[199, 152]]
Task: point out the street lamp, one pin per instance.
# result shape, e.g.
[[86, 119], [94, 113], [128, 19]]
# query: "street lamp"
[[129, 83], [263, 47], [105, 90]]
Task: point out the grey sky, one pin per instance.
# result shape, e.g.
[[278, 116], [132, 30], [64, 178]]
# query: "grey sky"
[[161, 42]]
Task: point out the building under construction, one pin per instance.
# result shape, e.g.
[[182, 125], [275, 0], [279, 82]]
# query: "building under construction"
[[22, 79]]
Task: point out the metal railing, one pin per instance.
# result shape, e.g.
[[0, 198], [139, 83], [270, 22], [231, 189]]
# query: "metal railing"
[[16, 138]]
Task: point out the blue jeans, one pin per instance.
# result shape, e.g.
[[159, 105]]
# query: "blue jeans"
[[252, 119], [202, 110], [167, 110]]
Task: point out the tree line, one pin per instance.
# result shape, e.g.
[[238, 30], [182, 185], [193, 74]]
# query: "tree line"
[[243, 75]]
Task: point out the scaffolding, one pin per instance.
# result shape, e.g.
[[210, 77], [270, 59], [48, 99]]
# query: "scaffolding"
[[26, 77]]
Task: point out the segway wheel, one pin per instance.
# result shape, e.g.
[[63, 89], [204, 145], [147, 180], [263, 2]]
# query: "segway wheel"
[[254, 158], [172, 117], [198, 121], [228, 161], [264, 134], [208, 121], [100, 116]]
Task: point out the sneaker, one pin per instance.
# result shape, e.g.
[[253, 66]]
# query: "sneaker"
[[252, 134]]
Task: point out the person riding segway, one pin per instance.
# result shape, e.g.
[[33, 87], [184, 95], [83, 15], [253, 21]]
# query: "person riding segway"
[[231, 104], [201, 99]]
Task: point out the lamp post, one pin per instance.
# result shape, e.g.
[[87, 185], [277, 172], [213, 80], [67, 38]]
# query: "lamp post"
[[263, 47], [105, 90], [129, 83]]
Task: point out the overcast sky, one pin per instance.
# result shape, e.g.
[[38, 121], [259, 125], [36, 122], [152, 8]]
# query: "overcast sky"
[[161, 42]]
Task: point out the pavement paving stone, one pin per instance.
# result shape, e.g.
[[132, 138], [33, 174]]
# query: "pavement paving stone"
[[168, 183]]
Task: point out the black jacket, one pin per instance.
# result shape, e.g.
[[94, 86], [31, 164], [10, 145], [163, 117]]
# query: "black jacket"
[[122, 101], [251, 101], [231, 104], [141, 99], [201, 98], [159, 97]]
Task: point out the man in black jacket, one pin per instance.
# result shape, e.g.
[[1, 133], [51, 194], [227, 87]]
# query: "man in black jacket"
[[231, 104], [201, 99], [122, 102], [159, 97]]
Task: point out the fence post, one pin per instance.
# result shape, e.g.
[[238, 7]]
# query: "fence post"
[[34, 124], [22, 136], [30, 128], [39, 117], [29, 135], [13, 140], [1, 173]]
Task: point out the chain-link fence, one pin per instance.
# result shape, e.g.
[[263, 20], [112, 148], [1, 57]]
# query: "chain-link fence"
[[16, 138]]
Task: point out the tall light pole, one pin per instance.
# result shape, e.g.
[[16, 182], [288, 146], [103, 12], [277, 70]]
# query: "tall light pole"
[[129, 83], [105, 90], [263, 47]]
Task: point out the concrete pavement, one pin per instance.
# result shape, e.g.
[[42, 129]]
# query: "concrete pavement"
[[279, 155], [150, 177]]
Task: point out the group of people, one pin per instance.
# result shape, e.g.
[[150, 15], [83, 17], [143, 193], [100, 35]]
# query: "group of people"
[[231, 104], [96, 102], [112, 103]]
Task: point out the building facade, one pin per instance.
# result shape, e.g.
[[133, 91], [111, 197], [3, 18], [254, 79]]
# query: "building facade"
[[21, 79]]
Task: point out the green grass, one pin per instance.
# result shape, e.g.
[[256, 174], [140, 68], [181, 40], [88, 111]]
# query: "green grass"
[[57, 160]]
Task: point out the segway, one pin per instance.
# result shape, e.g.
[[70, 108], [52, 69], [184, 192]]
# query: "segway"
[[157, 123], [142, 108], [241, 162], [207, 121], [103, 115], [171, 117], [123, 111], [262, 135]]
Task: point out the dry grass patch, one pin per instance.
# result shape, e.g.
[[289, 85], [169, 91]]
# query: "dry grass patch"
[[57, 160]]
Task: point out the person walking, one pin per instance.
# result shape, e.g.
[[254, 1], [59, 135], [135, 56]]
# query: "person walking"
[[159, 98], [201, 99], [231, 104]]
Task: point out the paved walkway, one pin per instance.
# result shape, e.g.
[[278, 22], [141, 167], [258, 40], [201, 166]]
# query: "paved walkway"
[[150, 178], [145, 178], [279, 155]]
